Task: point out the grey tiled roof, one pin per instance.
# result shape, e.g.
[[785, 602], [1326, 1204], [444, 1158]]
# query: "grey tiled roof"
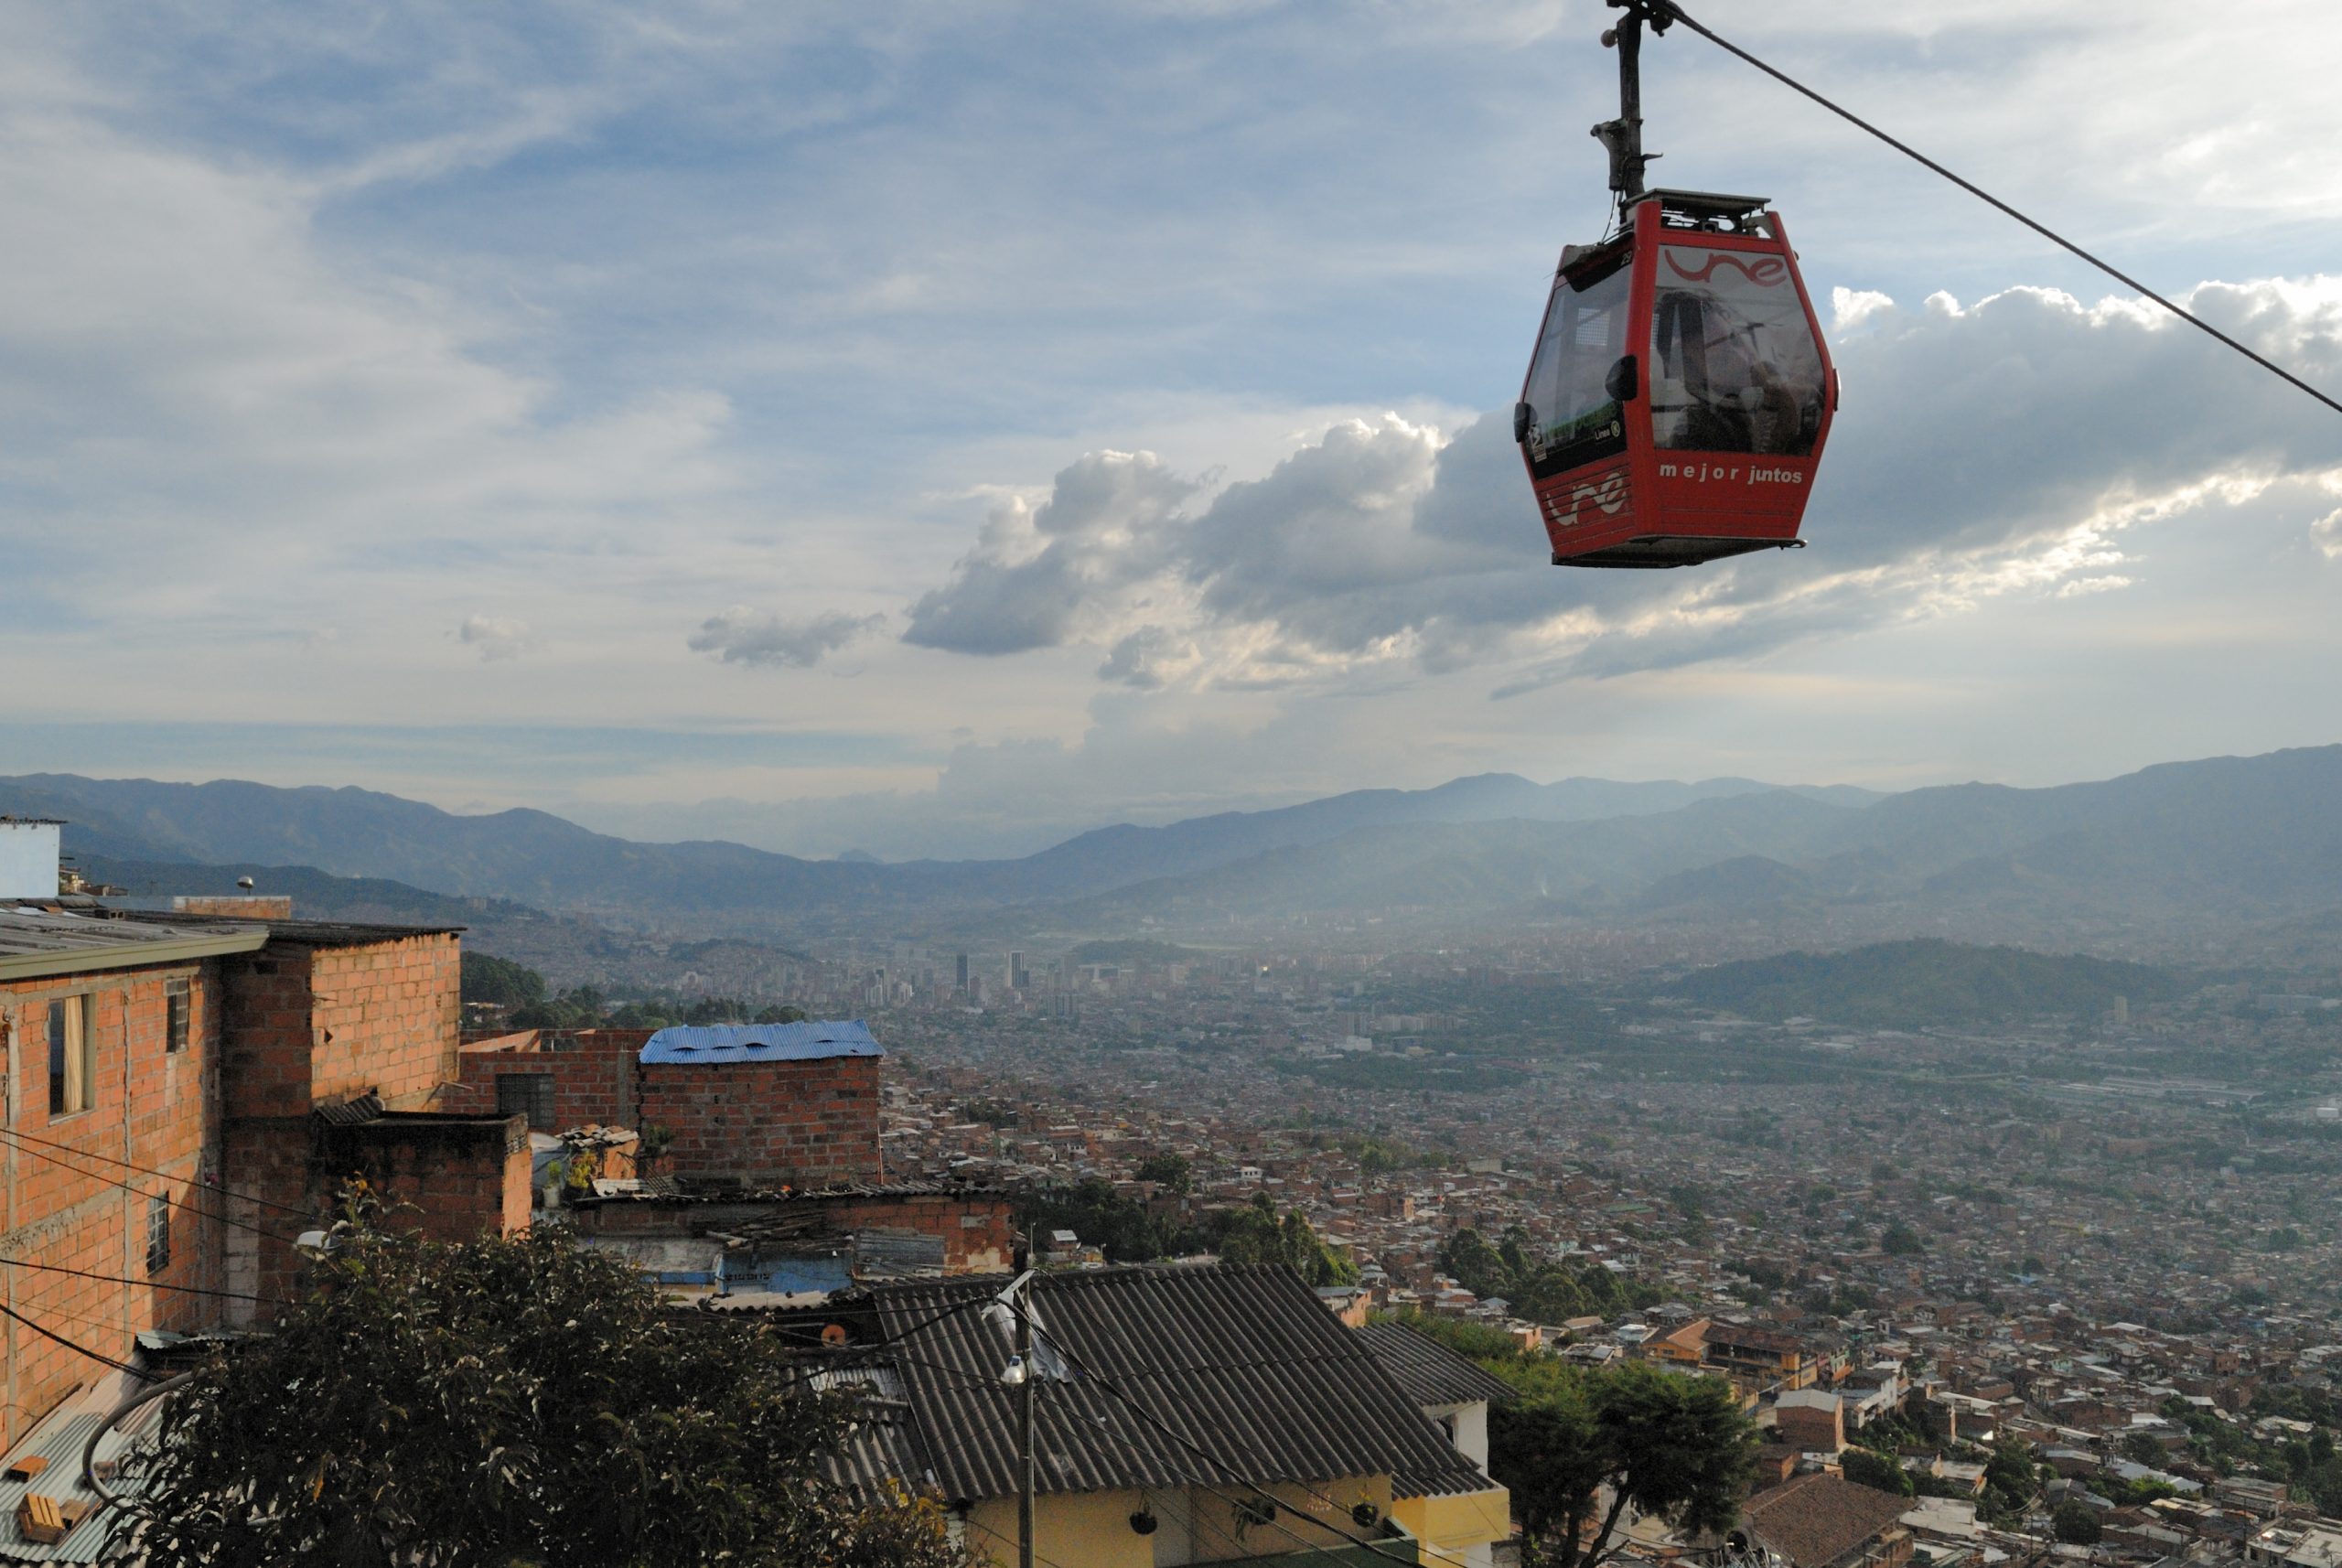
[[1255, 1379], [1429, 1371]]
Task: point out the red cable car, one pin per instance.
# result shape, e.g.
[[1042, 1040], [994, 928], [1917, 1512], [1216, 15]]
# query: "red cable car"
[[1676, 404]]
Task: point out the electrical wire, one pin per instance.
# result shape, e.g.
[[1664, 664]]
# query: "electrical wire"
[[1130, 1400], [149, 1170], [136, 1190], [1669, 11], [46, 1333], [149, 1285], [1277, 1505]]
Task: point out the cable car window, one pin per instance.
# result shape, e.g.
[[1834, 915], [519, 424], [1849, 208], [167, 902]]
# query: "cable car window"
[[1572, 418], [1736, 367]]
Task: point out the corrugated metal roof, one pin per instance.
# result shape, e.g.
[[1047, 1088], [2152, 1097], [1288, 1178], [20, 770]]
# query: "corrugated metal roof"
[[712, 1043], [59, 1438], [881, 1442], [893, 1254], [1242, 1363], [1429, 1371], [352, 1112], [34, 942], [301, 933]]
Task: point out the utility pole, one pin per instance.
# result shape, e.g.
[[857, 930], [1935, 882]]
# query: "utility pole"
[[1027, 1388]]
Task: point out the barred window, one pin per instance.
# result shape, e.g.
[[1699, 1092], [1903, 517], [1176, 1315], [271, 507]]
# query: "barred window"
[[158, 1234], [526, 1094], [175, 1025]]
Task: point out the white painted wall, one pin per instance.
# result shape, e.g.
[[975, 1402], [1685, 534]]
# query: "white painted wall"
[[28, 853]]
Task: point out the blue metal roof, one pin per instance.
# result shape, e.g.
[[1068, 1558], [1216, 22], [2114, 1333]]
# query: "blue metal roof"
[[761, 1042]]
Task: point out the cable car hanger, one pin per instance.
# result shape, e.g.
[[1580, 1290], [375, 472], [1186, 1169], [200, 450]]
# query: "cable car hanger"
[[1676, 406], [1680, 393], [1661, 14]]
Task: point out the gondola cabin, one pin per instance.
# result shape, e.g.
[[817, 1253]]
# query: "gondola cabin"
[[1680, 393]]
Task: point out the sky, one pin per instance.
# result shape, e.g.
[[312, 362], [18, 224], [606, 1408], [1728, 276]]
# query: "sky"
[[937, 429]]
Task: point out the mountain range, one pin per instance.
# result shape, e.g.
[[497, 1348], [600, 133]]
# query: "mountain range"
[[2227, 839]]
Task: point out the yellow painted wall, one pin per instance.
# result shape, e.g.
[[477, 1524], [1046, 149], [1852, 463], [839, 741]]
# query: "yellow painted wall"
[[1092, 1530], [1448, 1525], [1217, 1536], [1079, 1529]]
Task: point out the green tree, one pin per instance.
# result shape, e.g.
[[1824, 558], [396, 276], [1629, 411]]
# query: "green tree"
[[501, 982], [2141, 1449], [1879, 1472], [503, 1403], [780, 1013], [1900, 1240], [1253, 1234], [2076, 1523], [1168, 1169], [1662, 1443]]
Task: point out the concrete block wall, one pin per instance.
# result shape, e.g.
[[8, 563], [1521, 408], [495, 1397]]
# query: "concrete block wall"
[[808, 1123]]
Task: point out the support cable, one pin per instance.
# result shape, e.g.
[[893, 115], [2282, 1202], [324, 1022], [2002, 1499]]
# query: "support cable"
[[1661, 11]]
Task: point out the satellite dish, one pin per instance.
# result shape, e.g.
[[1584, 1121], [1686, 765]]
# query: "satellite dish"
[[245, 883]]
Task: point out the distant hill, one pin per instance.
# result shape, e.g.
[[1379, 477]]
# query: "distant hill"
[[2239, 840], [543, 861], [1904, 985]]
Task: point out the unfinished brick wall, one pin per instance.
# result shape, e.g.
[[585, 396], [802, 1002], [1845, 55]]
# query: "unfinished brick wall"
[[593, 1070], [808, 1123], [449, 1179], [70, 1195], [978, 1228], [388, 1016], [318, 1022]]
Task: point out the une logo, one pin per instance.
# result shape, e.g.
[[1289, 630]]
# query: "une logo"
[[1764, 272]]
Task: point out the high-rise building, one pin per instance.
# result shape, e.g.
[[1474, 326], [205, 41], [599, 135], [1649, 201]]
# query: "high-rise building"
[[1017, 978], [962, 984]]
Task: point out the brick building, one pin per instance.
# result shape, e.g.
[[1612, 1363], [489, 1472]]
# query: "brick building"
[[108, 1095], [180, 1096], [765, 1105]]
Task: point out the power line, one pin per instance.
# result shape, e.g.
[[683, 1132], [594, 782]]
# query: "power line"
[[48, 1332], [1198, 1449], [1662, 12], [138, 1191], [961, 1375], [166, 1175], [149, 1285]]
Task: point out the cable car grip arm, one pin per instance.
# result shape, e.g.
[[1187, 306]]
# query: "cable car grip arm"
[[1623, 137]]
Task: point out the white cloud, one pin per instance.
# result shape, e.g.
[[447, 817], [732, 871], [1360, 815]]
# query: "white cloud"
[[1984, 450], [495, 637], [743, 636]]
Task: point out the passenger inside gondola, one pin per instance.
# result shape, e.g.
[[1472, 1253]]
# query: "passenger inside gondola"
[[1737, 369]]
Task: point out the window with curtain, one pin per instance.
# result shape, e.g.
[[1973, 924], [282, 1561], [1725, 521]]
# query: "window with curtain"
[[72, 1057]]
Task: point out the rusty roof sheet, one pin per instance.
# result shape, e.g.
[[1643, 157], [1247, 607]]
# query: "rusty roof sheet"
[[1815, 1519]]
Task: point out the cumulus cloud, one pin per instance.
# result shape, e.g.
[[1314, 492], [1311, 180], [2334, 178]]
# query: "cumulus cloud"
[[2000, 448], [495, 637], [744, 636], [1042, 576]]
